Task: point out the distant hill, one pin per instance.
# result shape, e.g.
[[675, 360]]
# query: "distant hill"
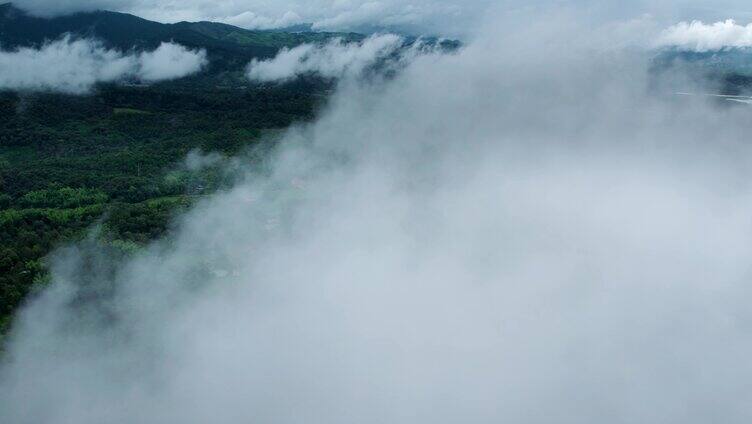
[[227, 45], [229, 48], [726, 71], [736, 60]]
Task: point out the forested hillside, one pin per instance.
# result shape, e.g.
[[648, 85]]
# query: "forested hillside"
[[116, 159], [113, 159]]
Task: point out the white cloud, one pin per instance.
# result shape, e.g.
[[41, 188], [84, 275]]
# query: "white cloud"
[[517, 232], [334, 59], [70, 66], [170, 61], [700, 37], [75, 66]]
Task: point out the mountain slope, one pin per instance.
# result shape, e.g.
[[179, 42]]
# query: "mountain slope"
[[125, 32]]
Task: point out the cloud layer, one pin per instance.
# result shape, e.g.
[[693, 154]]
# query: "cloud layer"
[[169, 61], [700, 37], [516, 232], [334, 59], [74, 66]]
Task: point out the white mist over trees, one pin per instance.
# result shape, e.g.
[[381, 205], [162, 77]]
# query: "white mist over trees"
[[335, 59], [169, 61], [75, 66], [519, 232]]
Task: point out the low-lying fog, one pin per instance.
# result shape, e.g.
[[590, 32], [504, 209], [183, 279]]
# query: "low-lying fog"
[[521, 231]]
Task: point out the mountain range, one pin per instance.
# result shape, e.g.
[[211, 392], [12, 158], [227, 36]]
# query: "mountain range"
[[227, 45]]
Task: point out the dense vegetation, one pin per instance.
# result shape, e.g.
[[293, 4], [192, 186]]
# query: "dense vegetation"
[[112, 160], [115, 160]]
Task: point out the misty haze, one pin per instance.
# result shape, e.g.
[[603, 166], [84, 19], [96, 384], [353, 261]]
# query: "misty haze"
[[439, 211]]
